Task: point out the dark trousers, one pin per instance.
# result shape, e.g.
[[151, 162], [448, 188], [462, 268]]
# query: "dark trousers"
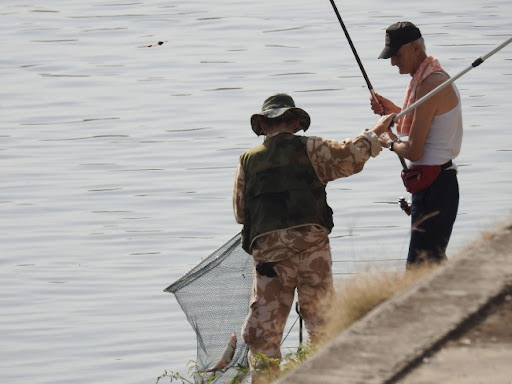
[[433, 213]]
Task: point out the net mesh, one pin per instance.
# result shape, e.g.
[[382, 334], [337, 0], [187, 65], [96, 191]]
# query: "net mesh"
[[214, 295]]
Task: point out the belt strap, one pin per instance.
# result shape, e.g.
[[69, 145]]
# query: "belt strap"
[[446, 165]]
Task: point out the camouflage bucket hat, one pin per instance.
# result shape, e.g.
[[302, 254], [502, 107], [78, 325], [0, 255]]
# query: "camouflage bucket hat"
[[275, 106]]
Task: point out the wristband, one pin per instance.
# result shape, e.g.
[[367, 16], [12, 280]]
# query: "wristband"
[[390, 145]]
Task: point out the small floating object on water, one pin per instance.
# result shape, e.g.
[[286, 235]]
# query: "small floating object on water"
[[227, 355], [159, 43]]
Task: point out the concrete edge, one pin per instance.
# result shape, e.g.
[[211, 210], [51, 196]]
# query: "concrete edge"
[[395, 336]]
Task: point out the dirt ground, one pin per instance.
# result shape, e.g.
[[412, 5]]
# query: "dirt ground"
[[482, 355], [496, 328]]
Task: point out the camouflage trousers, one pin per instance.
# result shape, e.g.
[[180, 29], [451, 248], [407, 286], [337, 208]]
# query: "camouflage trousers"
[[273, 292]]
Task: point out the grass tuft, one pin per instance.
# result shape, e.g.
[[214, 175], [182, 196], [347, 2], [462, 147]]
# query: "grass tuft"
[[358, 295]]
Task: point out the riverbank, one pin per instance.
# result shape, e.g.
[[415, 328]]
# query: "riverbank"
[[452, 326]]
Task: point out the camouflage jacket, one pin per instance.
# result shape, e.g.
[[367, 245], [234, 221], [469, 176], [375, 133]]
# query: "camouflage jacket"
[[331, 160]]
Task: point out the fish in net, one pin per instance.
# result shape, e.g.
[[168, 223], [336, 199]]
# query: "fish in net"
[[214, 295]]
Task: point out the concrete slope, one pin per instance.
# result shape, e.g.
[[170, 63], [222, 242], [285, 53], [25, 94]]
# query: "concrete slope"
[[391, 340]]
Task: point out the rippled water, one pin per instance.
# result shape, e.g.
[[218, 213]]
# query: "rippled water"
[[118, 158]]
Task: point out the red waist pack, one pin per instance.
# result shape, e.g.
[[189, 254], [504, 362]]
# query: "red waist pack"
[[418, 177]]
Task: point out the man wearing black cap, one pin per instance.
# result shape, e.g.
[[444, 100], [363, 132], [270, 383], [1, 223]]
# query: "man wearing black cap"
[[279, 197], [434, 138]]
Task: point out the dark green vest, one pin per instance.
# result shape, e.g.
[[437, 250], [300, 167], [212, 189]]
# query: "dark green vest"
[[282, 189]]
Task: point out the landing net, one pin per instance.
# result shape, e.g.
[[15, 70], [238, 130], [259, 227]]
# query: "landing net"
[[214, 295]]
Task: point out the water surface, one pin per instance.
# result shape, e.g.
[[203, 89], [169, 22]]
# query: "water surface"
[[118, 158]]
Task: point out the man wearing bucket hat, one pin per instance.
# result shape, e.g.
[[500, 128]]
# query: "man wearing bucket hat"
[[279, 197], [434, 138]]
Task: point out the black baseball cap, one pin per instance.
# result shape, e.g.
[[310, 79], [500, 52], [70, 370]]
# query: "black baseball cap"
[[399, 34]]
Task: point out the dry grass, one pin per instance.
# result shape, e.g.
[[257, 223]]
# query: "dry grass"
[[358, 295], [353, 299]]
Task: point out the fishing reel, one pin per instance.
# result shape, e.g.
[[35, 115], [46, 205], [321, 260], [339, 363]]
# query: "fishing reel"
[[404, 205]]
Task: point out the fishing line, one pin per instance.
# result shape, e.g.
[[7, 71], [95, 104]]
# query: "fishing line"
[[291, 327], [299, 318]]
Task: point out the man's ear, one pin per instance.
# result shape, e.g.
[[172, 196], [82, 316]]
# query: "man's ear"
[[417, 47]]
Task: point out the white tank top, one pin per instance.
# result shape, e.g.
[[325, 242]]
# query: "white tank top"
[[444, 137]]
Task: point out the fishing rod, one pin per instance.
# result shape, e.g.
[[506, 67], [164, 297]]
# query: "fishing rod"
[[443, 85], [370, 87]]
